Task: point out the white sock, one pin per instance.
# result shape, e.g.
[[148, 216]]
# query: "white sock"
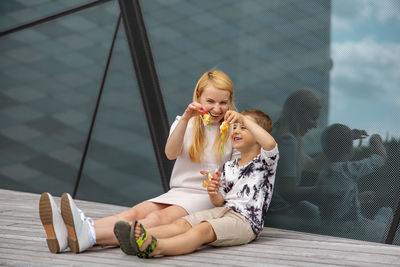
[[91, 232]]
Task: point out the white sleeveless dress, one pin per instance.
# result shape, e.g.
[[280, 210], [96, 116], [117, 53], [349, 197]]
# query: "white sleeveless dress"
[[186, 182]]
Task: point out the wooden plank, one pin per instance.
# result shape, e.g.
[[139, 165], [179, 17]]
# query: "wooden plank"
[[23, 243]]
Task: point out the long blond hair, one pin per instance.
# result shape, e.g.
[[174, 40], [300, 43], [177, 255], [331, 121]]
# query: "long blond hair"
[[220, 81], [295, 105]]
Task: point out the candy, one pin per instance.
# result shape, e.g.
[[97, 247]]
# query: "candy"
[[207, 179], [206, 119], [223, 129]]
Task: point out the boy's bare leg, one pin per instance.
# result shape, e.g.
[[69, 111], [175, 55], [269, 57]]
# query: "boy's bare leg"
[[104, 226], [183, 243]]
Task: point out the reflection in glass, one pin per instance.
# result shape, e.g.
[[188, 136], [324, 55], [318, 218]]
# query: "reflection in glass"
[[340, 199], [291, 205], [273, 49]]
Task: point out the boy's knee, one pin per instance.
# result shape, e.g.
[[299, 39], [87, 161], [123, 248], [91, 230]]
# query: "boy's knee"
[[205, 230]]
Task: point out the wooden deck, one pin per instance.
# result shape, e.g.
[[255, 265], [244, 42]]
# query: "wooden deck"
[[23, 243]]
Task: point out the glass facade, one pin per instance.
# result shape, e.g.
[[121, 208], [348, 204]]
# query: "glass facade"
[[50, 77], [325, 71]]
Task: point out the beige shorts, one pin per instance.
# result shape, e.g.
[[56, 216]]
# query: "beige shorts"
[[230, 227]]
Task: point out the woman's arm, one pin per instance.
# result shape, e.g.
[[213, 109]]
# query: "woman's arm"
[[175, 141]]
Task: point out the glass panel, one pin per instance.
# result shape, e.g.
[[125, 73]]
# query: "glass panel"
[[345, 53], [364, 95], [120, 167], [18, 12], [49, 79]]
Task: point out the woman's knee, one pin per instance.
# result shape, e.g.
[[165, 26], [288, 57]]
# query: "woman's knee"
[[154, 216], [158, 217], [182, 224], [139, 211], [166, 215], [127, 215]]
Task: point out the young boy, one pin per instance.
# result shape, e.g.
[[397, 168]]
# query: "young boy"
[[241, 194]]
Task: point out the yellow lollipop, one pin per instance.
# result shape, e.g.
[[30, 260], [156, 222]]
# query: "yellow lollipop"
[[223, 129], [206, 119]]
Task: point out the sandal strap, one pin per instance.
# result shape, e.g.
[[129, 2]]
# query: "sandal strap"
[[142, 237], [149, 249]]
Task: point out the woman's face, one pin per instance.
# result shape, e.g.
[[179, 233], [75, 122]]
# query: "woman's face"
[[308, 120], [215, 101]]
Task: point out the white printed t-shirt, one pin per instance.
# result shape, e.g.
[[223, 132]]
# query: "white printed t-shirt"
[[248, 189]]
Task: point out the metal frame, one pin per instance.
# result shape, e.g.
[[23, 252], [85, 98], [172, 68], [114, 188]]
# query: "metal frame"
[[54, 16], [146, 76], [394, 225], [89, 136]]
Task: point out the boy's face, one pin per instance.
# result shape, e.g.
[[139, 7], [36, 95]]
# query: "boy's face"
[[241, 138]]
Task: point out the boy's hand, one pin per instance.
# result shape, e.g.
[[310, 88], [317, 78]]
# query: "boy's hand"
[[213, 185], [194, 109], [359, 134], [232, 116]]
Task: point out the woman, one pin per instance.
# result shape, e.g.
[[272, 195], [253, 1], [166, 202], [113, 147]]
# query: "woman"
[[190, 142]]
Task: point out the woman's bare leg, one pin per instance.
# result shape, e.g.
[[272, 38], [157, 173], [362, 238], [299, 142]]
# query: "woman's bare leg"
[[183, 243], [163, 216], [178, 227], [104, 226]]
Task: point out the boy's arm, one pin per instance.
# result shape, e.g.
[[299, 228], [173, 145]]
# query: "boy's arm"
[[376, 145], [372, 163], [260, 134]]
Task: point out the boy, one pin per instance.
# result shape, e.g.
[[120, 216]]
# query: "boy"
[[241, 202], [340, 208]]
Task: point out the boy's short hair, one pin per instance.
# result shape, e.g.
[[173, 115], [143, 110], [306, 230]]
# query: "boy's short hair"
[[261, 118], [337, 141]]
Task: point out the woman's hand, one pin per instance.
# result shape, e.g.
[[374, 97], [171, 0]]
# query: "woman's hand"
[[213, 185], [232, 116], [194, 109]]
